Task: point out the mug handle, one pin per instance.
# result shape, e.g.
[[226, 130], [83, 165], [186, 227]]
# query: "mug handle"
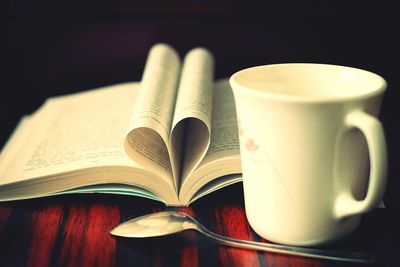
[[372, 129]]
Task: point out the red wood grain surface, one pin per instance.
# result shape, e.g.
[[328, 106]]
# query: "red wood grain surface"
[[74, 231], [86, 235], [232, 222], [44, 225]]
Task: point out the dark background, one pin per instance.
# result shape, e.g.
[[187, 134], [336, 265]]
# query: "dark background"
[[56, 47]]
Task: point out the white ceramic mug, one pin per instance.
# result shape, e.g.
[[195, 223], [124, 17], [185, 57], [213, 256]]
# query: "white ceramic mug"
[[313, 152]]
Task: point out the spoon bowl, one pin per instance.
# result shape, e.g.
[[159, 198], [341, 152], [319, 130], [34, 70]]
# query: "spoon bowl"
[[155, 225], [172, 222]]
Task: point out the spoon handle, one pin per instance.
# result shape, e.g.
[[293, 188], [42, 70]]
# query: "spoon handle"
[[357, 257]]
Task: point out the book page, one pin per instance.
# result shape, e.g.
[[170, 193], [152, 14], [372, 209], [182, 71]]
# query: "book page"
[[148, 139], [191, 125], [84, 130], [194, 97], [223, 155], [224, 136]]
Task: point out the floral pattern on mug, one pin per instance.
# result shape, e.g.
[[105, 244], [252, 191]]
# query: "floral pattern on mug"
[[251, 146], [259, 155], [240, 129]]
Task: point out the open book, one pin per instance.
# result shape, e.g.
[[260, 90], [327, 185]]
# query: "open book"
[[172, 137]]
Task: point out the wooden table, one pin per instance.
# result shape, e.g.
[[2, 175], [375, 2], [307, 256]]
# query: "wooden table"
[[74, 230]]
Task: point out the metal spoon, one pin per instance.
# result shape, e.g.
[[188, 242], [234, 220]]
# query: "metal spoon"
[[171, 222]]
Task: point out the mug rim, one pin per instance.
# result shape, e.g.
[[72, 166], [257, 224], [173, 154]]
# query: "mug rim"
[[237, 85]]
